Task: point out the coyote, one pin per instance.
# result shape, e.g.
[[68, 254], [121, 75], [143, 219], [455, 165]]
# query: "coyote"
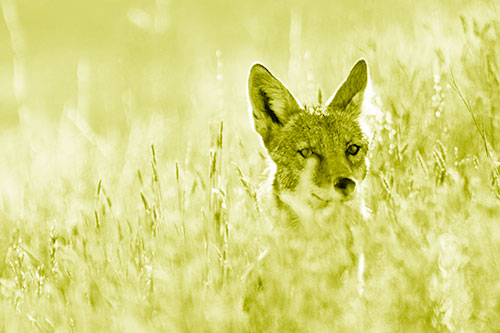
[[319, 154]]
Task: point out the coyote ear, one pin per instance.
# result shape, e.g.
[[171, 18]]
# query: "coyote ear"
[[353, 86], [272, 103]]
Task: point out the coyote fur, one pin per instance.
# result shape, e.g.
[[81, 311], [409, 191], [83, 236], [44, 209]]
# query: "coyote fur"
[[318, 154]]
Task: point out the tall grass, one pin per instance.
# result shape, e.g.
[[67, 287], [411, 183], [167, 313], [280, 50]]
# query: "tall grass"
[[157, 226]]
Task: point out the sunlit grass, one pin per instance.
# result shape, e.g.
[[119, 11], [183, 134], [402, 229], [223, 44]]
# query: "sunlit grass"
[[150, 221]]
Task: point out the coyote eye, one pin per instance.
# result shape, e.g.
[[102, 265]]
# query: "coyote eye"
[[306, 152], [352, 149]]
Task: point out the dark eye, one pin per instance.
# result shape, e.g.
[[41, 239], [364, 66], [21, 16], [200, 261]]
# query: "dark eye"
[[352, 149], [306, 152]]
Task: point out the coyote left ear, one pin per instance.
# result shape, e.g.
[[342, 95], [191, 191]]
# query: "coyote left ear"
[[272, 103], [353, 86]]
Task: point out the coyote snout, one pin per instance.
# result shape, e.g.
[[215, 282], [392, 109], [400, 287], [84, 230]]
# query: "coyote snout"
[[319, 152]]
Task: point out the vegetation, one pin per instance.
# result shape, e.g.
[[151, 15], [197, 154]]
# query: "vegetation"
[[130, 168]]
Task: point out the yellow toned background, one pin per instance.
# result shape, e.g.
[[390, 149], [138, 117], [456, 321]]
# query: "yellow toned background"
[[124, 206]]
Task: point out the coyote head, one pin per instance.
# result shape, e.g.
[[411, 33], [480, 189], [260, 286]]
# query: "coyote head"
[[320, 152]]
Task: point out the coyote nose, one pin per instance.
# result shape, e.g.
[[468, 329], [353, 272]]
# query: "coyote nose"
[[345, 186]]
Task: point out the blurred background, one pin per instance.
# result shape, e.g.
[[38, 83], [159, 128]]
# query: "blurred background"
[[115, 177], [114, 60]]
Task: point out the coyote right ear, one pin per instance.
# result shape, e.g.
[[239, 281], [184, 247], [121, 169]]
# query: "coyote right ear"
[[354, 84], [272, 103]]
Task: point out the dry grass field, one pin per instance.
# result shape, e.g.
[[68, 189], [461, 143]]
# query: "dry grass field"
[[129, 168]]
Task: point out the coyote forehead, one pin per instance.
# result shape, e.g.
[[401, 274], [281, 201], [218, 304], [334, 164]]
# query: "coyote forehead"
[[320, 152]]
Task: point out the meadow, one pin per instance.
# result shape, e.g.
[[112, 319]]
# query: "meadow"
[[130, 169]]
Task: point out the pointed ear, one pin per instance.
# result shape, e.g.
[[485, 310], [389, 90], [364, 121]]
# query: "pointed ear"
[[272, 103], [353, 86]]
